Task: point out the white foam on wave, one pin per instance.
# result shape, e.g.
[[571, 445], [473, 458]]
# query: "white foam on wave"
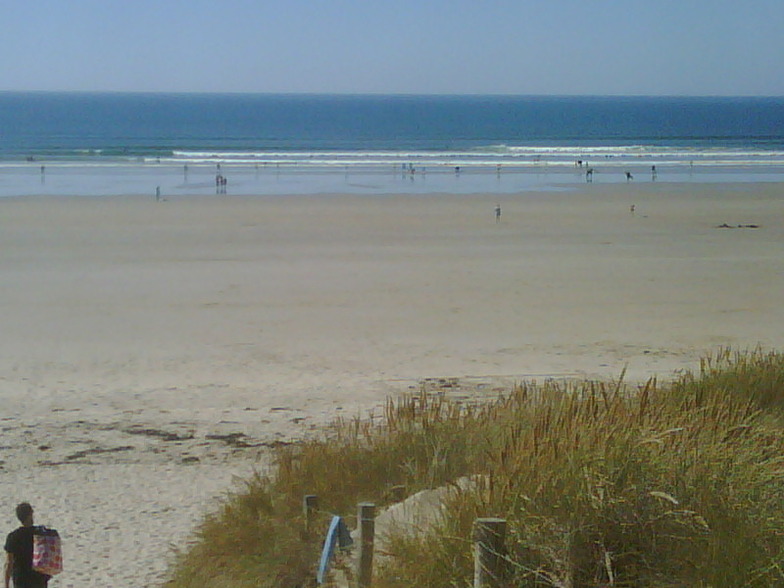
[[521, 156], [491, 155]]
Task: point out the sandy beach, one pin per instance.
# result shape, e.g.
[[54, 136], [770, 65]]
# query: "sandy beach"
[[151, 352]]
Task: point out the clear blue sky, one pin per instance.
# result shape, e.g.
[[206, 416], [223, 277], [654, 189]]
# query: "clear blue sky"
[[651, 47]]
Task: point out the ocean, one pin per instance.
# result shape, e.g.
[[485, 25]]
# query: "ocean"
[[115, 144]]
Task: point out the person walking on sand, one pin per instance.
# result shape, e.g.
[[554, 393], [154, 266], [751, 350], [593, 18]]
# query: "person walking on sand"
[[497, 213], [19, 553]]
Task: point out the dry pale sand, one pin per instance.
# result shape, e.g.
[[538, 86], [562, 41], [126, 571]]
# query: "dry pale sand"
[[151, 351]]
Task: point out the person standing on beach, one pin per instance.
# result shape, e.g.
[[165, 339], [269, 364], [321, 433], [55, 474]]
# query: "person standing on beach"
[[498, 213], [19, 553]]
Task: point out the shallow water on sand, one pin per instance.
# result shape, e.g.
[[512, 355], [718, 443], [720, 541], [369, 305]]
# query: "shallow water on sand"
[[74, 179]]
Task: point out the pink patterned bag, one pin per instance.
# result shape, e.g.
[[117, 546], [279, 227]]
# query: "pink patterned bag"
[[47, 551]]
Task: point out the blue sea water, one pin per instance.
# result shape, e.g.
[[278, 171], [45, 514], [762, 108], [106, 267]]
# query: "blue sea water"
[[95, 144]]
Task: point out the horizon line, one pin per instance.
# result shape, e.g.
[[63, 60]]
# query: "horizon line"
[[384, 94]]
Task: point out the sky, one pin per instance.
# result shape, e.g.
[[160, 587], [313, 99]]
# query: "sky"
[[545, 47]]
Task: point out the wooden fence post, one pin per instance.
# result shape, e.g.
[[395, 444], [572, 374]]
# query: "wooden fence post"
[[366, 521], [309, 509], [489, 538]]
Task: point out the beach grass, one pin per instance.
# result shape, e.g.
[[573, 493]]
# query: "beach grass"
[[601, 484]]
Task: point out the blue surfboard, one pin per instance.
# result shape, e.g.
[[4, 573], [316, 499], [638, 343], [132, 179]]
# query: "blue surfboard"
[[336, 535], [328, 550]]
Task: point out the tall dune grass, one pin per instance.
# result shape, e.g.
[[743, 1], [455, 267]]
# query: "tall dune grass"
[[601, 485]]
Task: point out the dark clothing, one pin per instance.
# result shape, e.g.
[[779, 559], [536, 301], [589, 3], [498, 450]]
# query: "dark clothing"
[[20, 544]]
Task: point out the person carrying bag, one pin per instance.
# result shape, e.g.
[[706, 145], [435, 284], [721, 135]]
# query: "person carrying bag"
[[33, 554]]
